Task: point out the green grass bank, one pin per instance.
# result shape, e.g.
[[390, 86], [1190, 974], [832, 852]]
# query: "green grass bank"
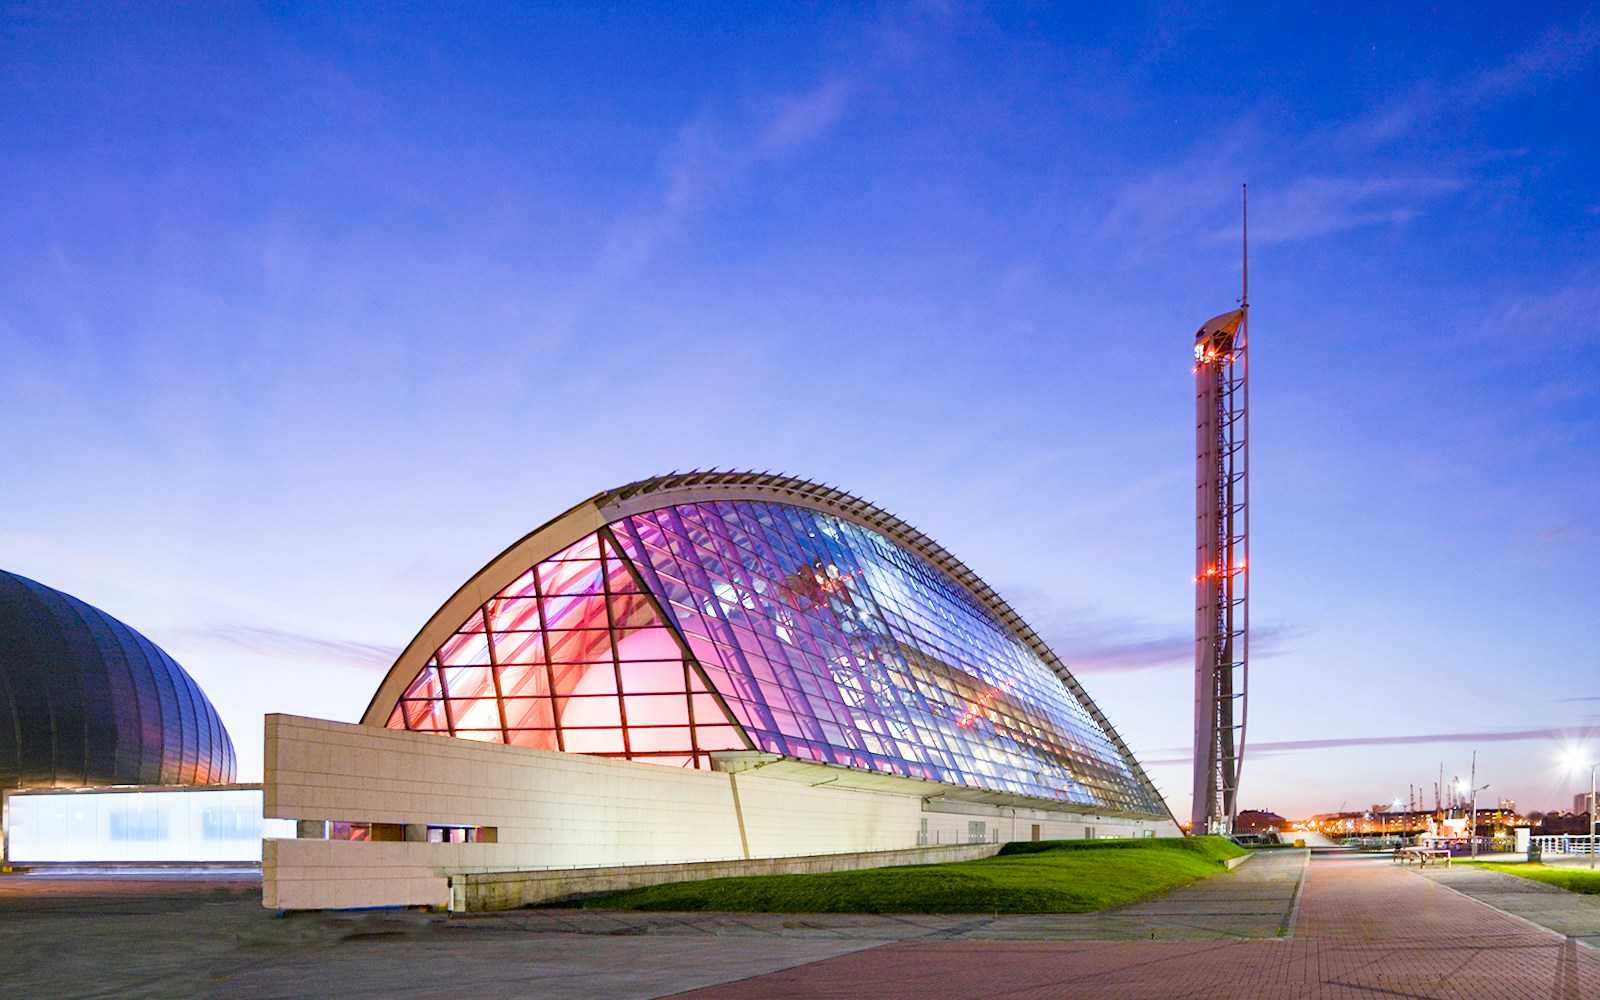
[[1571, 879], [1059, 876]]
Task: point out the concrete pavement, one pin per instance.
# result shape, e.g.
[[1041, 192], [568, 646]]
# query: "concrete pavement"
[[1360, 926], [1364, 928]]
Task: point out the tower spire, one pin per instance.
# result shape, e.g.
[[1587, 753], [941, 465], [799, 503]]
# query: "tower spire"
[[1222, 615]]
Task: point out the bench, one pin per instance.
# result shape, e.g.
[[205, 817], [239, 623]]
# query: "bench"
[[1422, 855]]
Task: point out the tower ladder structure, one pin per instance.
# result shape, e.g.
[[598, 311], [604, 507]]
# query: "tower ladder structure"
[[1222, 538]]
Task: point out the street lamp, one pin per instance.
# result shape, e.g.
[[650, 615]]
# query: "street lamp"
[[1472, 822], [1576, 761], [1472, 783]]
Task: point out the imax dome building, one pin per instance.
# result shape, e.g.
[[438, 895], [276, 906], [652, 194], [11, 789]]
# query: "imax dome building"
[[109, 750], [710, 668], [86, 700]]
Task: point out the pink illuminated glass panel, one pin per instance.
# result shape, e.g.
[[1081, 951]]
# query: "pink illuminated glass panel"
[[557, 639]]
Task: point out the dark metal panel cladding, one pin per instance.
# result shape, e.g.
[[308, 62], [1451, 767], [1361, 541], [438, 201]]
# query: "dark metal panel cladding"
[[37, 691], [128, 704], [10, 738], [94, 695], [148, 746], [152, 747], [86, 700]]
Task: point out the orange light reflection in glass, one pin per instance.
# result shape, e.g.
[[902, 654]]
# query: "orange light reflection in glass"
[[975, 712]]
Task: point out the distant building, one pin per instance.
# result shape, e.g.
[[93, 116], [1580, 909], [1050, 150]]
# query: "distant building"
[[1556, 823], [1258, 821], [1582, 803]]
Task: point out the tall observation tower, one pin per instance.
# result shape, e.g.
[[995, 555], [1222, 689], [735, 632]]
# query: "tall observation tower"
[[1222, 540]]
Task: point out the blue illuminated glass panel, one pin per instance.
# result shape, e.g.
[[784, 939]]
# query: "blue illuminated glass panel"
[[830, 642]]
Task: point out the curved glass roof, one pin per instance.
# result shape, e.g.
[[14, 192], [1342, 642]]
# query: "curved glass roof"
[[673, 633]]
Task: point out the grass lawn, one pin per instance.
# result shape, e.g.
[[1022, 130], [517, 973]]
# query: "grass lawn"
[[1059, 876], [1571, 879]]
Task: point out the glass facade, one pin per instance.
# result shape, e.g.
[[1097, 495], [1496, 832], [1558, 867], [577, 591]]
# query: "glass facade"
[[87, 700], [721, 625]]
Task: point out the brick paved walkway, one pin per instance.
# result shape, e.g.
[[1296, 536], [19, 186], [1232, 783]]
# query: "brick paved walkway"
[[1568, 913], [1365, 930]]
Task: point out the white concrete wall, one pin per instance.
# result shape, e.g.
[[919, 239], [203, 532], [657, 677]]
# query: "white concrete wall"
[[949, 823], [555, 810]]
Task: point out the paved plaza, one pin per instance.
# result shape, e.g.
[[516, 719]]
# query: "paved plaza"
[[1283, 925], [1362, 928]]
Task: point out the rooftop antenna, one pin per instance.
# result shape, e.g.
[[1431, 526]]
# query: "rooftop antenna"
[[1222, 537]]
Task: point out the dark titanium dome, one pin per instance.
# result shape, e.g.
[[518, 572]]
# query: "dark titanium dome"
[[86, 700]]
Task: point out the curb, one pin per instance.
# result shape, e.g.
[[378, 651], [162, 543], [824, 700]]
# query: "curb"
[[1507, 913]]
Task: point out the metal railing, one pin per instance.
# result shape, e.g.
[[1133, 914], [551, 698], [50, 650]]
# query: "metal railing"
[[1565, 843]]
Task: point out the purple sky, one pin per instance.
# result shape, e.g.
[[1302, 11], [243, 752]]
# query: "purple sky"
[[305, 316]]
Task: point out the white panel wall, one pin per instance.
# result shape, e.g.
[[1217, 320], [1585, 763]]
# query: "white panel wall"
[[550, 810]]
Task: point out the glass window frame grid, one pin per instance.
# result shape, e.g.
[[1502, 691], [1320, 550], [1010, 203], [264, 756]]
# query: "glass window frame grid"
[[871, 672], [447, 710]]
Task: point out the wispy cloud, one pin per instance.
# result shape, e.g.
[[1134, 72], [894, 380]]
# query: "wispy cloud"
[[710, 155], [1481, 736], [1089, 653], [288, 645], [1091, 641], [714, 152], [1201, 194], [792, 120], [1564, 317], [1197, 191], [1272, 748], [1559, 52], [1320, 206], [1567, 534]]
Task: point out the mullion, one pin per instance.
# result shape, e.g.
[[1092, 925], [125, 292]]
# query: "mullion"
[[611, 640], [549, 668], [494, 672], [676, 630]]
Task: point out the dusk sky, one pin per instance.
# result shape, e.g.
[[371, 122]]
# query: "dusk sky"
[[306, 314]]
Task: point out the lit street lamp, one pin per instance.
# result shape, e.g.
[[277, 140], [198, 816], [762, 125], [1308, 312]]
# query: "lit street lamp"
[[1577, 762]]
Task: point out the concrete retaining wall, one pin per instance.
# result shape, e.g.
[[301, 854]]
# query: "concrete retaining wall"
[[513, 890]]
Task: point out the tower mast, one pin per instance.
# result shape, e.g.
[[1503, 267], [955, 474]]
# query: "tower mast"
[[1222, 533]]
